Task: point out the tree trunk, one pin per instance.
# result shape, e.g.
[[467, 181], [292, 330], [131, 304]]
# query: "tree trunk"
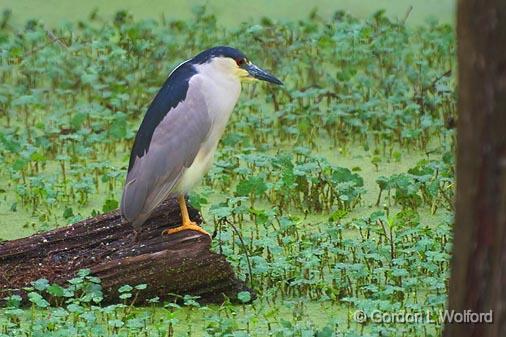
[[180, 263], [478, 281]]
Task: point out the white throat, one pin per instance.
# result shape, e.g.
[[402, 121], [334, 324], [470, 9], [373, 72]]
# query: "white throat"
[[221, 87]]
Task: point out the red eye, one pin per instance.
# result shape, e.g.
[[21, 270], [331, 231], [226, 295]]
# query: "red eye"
[[240, 62]]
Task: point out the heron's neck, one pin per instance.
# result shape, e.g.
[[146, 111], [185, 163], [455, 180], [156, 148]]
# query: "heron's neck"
[[221, 90], [220, 87]]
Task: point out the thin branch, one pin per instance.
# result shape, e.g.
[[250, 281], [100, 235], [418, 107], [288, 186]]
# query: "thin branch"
[[406, 16], [55, 38], [245, 250]]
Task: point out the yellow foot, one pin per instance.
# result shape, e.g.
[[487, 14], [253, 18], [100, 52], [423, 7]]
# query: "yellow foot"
[[186, 226]]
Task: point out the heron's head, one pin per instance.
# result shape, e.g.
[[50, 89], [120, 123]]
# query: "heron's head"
[[230, 61]]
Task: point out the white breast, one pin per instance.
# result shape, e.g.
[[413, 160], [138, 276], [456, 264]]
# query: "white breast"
[[221, 89]]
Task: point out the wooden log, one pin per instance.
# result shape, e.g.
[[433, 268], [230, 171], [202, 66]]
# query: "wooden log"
[[180, 263]]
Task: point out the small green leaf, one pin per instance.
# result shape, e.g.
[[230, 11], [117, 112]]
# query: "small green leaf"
[[68, 213], [125, 288], [244, 296], [55, 290], [141, 286], [110, 205], [40, 284]]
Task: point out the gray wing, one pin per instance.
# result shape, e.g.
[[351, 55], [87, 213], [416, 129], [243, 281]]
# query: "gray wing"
[[173, 147]]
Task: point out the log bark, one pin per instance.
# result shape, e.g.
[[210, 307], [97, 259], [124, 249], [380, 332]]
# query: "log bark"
[[478, 276], [180, 263]]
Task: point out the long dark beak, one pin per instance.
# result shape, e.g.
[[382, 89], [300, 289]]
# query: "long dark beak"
[[260, 74]]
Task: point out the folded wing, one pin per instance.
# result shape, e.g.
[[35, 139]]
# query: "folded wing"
[[173, 146]]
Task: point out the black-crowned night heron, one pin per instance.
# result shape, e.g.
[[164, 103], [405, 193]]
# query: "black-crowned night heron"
[[176, 141]]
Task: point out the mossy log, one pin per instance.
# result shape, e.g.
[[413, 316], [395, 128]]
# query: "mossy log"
[[180, 263]]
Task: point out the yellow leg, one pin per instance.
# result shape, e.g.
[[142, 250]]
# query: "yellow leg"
[[187, 223]]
